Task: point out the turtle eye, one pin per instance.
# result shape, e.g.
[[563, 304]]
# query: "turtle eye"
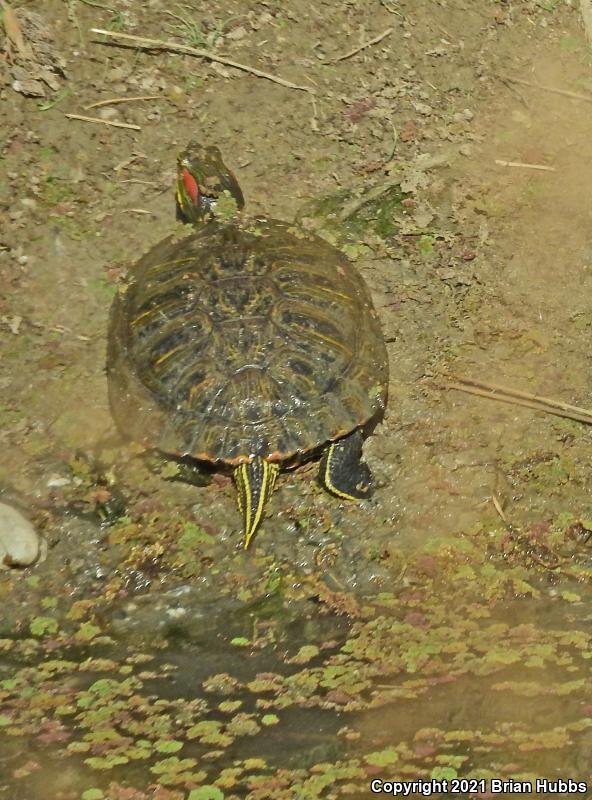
[[191, 186]]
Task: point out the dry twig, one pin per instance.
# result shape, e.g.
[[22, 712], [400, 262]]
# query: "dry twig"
[[498, 507], [495, 391], [158, 44], [524, 165], [113, 100], [363, 46], [553, 89], [104, 122], [314, 120]]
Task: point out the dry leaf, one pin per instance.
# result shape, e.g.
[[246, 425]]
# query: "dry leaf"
[[422, 215], [40, 66]]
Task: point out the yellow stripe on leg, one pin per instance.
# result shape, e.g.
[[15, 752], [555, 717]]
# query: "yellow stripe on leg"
[[342, 470], [327, 482], [255, 482]]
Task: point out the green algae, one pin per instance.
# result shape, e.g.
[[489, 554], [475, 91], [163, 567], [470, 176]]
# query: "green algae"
[[350, 221], [112, 709]]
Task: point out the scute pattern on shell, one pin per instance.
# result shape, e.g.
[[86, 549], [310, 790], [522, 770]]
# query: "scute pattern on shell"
[[238, 341]]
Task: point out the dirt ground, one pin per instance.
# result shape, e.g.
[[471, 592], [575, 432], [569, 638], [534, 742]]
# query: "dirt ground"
[[437, 631]]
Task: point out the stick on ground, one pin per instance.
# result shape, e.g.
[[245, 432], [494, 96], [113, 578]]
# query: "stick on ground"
[[524, 165], [104, 122], [494, 391], [158, 44], [113, 100], [363, 46], [552, 89]]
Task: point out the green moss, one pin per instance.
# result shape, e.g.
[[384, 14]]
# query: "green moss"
[[348, 220]]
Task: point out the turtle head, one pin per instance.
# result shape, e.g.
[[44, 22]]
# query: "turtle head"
[[202, 177]]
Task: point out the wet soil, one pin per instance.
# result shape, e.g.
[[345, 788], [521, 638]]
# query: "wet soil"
[[440, 630]]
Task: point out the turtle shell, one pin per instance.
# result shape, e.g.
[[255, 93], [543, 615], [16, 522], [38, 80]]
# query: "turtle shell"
[[244, 340]]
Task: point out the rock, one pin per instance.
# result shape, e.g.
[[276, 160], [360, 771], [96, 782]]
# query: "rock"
[[20, 544], [236, 34], [423, 108], [109, 113]]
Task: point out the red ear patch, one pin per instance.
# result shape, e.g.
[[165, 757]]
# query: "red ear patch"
[[191, 186]]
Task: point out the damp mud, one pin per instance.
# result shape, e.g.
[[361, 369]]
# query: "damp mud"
[[441, 629]]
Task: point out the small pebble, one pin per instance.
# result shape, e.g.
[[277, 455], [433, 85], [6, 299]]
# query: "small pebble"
[[20, 544], [423, 108], [56, 481], [236, 34], [262, 20], [109, 113]]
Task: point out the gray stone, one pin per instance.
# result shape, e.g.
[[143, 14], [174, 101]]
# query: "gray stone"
[[20, 544]]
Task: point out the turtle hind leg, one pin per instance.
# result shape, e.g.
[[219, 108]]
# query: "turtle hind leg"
[[341, 470], [255, 481]]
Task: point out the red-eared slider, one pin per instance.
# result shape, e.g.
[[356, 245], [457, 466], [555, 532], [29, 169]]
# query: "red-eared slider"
[[249, 344]]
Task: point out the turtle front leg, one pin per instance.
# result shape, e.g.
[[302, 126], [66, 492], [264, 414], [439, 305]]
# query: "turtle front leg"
[[255, 481], [342, 472]]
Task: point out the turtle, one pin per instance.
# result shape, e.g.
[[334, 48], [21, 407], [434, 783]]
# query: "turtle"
[[250, 344]]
